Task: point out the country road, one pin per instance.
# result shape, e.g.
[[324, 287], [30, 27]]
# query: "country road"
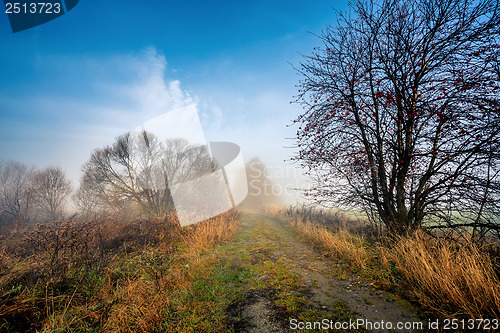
[[290, 283]]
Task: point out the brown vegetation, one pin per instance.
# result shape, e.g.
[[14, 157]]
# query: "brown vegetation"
[[452, 279], [107, 276], [448, 277]]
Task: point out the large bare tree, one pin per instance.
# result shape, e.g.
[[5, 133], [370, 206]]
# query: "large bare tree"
[[402, 113], [137, 172]]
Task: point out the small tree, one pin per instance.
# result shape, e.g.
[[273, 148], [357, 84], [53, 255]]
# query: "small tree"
[[402, 113], [87, 200], [51, 189], [16, 195]]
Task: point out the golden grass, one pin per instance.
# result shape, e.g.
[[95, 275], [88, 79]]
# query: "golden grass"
[[454, 280], [342, 244], [144, 304], [206, 234], [447, 277], [142, 283], [274, 209]]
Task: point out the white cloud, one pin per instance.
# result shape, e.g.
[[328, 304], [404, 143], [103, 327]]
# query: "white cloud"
[[150, 93], [89, 102]]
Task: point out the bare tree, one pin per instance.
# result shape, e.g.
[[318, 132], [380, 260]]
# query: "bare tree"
[[15, 193], [51, 189], [87, 200], [402, 113], [137, 171]]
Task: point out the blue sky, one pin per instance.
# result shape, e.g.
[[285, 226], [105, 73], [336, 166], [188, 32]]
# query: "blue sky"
[[75, 83]]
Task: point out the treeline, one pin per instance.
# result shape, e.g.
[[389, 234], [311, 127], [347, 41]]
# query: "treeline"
[[28, 194], [128, 179]]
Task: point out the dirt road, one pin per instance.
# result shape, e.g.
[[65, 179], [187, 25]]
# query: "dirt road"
[[290, 286]]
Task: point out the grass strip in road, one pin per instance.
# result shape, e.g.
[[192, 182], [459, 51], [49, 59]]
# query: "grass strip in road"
[[255, 252]]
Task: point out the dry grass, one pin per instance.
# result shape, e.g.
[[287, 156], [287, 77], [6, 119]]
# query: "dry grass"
[[342, 244], [204, 235], [274, 209], [134, 276], [454, 280], [448, 278]]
